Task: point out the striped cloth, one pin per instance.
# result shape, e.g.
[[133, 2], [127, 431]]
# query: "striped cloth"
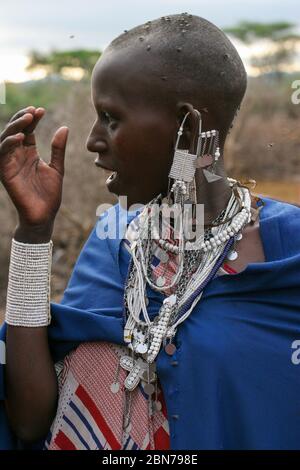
[[89, 414]]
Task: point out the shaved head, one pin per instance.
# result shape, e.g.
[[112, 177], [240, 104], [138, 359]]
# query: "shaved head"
[[191, 60]]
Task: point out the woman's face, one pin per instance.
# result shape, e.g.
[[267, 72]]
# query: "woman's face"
[[134, 131]]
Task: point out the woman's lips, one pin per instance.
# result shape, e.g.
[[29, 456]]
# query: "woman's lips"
[[113, 173], [98, 162]]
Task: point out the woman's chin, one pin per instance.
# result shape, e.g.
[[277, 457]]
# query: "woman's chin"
[[129, 193]]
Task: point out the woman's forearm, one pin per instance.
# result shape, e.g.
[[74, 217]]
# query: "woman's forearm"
[[35, 189], [31, 383]]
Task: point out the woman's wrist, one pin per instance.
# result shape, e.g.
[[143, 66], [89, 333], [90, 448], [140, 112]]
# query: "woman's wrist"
[[33, 234], [28, 291]]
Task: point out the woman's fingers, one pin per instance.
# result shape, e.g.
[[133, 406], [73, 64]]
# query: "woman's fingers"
[[37, 116], [29, 140], [25, 120], [20, 130], [58, 149], [29, 109], [8, 144], [19, 125]]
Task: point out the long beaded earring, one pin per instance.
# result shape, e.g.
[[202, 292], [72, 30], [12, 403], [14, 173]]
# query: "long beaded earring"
[[182, 183], [208, 154], [182, 173]]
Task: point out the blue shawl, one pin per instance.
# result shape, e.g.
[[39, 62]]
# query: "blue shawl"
[[233, 382]]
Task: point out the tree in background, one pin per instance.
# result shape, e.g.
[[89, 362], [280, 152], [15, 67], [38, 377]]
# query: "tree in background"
[[283, 43], [56, 62]]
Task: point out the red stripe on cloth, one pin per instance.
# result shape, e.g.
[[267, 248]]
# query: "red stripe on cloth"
[[161, 439], [161, 398], [63, 442], [90, 405], [229, 269]]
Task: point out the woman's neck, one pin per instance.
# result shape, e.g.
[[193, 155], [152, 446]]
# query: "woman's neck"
[[214, 196]]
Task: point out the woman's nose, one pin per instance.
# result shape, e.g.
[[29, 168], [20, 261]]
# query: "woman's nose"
[[95, 143]]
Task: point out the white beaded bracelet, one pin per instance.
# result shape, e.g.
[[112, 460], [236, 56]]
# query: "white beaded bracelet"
[[28, 291]]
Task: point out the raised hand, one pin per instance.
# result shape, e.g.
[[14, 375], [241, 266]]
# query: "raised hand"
[[34, 186]]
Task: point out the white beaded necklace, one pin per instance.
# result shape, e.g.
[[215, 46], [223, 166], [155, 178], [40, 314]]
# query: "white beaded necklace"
[[144, 336]]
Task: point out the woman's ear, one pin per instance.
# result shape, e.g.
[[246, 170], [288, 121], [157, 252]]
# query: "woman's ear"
[[188, 117]]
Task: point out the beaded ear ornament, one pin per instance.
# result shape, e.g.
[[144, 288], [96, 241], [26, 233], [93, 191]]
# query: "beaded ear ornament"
[[185, 162]]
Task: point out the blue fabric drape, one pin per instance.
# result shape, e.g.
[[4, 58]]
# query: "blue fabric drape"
[[231, 384]]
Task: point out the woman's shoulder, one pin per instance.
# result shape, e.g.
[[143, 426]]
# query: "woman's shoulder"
[[282, 218], [277, 207]]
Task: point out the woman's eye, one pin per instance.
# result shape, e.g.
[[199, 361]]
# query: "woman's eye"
[[107, 117]]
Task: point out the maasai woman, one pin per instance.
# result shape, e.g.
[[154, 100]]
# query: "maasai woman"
[[161, 340]]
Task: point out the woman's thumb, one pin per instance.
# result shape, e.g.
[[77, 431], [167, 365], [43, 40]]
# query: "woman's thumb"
[[58, 149]]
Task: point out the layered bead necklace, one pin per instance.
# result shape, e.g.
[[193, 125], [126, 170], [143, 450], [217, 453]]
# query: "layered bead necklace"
[[145, 337], [197, 262]]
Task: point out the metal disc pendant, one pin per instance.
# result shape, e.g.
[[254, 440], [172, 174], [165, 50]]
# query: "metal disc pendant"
[[158, 406], [115, 387], [145, 375], [170, 349], [142, 348], [149, 389], [160, 281], [232, 255]]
